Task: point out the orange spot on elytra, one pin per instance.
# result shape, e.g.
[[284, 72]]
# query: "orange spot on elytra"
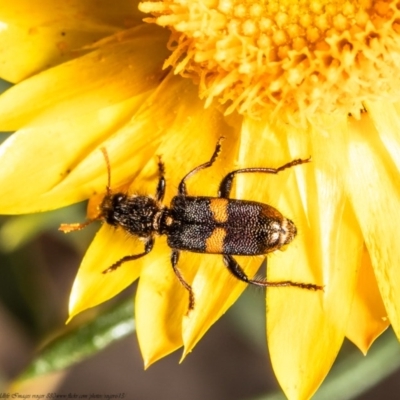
[[219, 209], [215, 243]]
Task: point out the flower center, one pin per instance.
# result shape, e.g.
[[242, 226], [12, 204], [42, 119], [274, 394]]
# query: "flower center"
[[285, 56]]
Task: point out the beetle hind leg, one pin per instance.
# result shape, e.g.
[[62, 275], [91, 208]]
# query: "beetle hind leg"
[[226, 184], [238, 272]]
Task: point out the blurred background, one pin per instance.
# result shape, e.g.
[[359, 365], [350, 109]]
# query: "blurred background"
[[37, 268]]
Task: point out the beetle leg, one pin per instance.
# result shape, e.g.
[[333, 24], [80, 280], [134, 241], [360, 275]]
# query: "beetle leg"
[[226, 183], [161, 181], [182, 185], [174, 262], [147, 248], [238, 272]]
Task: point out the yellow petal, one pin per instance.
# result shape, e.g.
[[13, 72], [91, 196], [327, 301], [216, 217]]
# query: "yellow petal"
[[374, 187], [160, 293], [306, 329], [36, 36], [368, 317], [215, 291], [386, 118], [107, 75], [92, 287], [160, 304], [74, 169], [132, 148], [215, 288], [59, 174]]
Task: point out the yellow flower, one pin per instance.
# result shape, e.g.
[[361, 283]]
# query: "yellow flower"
[[279, 80]]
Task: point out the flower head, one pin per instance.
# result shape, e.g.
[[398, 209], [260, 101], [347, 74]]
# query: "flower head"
[[280, 80]]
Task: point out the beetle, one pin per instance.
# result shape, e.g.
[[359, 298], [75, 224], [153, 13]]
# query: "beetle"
[[200, 224]]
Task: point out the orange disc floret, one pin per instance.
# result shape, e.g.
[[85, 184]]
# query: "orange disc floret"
[[300, 57]]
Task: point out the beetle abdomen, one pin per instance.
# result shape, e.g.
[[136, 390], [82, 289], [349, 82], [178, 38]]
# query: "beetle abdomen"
[[227, 226]]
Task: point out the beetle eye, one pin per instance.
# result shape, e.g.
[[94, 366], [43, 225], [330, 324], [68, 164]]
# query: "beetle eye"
[[118, 198]]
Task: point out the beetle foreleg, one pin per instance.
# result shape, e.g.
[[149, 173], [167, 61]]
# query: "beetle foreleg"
[[147, 248]]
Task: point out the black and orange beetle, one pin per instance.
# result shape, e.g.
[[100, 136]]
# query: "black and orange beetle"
[[201, 224]]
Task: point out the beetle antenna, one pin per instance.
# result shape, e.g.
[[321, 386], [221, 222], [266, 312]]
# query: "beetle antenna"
[[107, 160]]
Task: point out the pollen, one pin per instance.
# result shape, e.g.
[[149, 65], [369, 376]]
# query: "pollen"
[[289, 57]]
